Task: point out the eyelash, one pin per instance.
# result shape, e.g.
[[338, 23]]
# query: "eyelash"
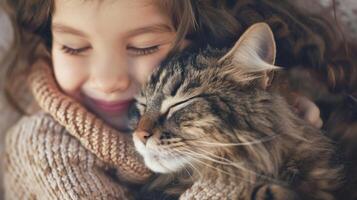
[[72, 51], [144, 51], [134, 50]]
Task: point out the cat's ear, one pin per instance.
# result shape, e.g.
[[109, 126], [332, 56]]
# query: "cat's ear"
[[253, 56]]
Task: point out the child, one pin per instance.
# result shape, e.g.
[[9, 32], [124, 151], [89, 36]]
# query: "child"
[[100, 52]]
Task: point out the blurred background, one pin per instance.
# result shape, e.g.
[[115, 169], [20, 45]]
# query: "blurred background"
[[346, 15], [7, 115]]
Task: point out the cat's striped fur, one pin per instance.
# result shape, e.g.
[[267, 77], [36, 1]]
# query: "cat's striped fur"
[[209, 114]]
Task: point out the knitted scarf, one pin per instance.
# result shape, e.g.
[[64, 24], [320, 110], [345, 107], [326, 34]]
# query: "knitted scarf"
[[108, 144]]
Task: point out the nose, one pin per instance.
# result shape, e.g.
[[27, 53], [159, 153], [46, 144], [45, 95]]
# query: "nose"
[[110, 73], [143, 136], [146, 126], [111, 83]]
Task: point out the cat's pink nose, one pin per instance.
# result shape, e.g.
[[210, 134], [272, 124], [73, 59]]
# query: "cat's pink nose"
[[143, 136]]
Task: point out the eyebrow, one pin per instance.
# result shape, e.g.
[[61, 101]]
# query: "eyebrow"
[[66, 29], [156, 28]]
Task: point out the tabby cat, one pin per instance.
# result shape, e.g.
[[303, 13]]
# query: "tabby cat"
[[213, 116]]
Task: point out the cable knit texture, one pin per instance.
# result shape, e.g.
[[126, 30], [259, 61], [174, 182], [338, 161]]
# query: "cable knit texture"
[[222, 188], [66, 151]]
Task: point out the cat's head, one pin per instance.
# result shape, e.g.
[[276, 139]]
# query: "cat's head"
[[188, 102]]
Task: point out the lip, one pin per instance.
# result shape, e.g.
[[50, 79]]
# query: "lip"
[[113, 107]]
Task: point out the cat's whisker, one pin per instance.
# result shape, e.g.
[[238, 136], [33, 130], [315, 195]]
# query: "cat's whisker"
[[194, 139], [188, 172], [181, 164], [224, 162], [176, 144], [208, 158], [236, 165], [194, 168], [216, 156], [188, 162], [220, 170], [172, 140], [171, 146], [190, 153], [216, 144], [228, 162]]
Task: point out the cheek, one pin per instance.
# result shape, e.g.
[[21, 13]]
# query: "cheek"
[[145, 65], [70, 73]]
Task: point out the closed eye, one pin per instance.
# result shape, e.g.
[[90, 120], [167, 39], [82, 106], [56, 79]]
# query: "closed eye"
[[73, 51], [143, 51], [179, 105]]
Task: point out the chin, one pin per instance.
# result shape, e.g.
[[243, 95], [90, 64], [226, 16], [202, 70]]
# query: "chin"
[[157, 162], [163, 166]]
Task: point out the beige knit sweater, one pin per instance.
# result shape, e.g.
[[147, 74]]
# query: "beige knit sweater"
[[65, 152]]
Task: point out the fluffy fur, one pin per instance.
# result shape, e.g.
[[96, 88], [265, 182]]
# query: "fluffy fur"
[[211, 115]]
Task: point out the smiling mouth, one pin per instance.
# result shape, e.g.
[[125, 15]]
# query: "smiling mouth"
[[113, 107]]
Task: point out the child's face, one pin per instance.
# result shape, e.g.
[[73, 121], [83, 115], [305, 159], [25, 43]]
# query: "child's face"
[[103, 51]]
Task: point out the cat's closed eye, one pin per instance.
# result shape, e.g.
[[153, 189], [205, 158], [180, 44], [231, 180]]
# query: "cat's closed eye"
[[170, 107]]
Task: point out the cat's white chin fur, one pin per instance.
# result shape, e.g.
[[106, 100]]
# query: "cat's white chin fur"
[[154, 161]]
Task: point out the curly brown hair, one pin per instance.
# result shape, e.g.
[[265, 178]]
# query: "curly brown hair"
[[32, 24], [302, 40]]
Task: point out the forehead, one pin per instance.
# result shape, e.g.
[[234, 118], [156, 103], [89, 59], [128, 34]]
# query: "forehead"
[[108, 15], [100, 4]]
